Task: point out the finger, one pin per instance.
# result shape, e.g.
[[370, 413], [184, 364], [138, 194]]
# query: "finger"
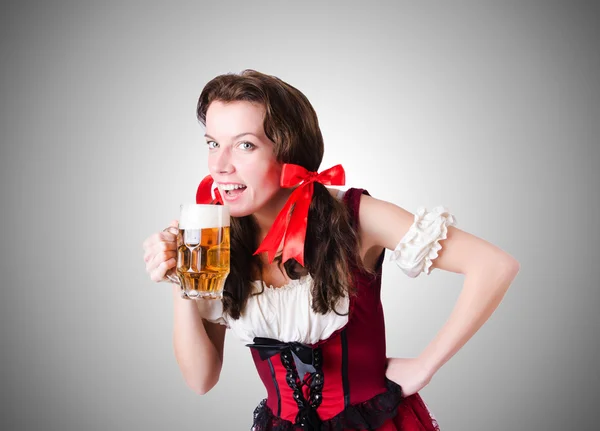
[[173, 228], [158, 274], [167, 236], [158, 236], [159, 258], [153, 239], [158, 247], [147, 243], [155, 261]]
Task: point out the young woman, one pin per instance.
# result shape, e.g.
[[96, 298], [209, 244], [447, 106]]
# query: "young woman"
[[306, 264]]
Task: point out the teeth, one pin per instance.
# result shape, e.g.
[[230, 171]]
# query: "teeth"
[[232, 186]]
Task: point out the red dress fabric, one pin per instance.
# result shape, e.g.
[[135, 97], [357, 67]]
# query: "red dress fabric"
[[338, 383]]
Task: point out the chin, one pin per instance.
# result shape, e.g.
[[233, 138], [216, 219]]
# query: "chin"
[[238, 213], [236, 210]]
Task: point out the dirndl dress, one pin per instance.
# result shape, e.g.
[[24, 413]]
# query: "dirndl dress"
[[328, 372]]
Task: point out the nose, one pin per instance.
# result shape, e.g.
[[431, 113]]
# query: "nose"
[[221, 161]]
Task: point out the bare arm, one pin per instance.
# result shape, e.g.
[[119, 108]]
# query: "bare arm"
[[198, 345], [488, 271], [488, 275]]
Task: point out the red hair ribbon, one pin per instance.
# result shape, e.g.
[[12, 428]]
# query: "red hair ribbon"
[[203, 194], [294, 228]]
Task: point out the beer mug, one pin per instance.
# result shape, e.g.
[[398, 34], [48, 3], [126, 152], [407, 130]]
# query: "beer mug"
[[202, 251]]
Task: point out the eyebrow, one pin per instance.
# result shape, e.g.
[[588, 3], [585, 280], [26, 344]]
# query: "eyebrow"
[[235, 137]]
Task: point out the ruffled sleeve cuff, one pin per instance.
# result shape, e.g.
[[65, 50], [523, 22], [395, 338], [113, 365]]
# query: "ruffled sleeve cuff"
[[418, 248], [211, 310]]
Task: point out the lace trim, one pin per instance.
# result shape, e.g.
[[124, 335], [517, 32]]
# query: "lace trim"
[[370, 414], [302, 281]]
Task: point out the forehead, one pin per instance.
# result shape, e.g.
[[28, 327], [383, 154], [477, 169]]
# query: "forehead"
[[231, 118]]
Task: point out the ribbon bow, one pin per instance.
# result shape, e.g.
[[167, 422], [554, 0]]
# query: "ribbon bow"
[[303, 354], [268, 347], [203, 194], [294, 229]]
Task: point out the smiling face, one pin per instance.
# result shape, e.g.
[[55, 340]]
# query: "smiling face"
[[241, 158]]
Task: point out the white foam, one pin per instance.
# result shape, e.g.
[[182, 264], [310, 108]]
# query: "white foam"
[[200, 216]]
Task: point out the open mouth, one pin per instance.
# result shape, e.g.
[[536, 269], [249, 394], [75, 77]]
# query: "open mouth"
[[233, 190]]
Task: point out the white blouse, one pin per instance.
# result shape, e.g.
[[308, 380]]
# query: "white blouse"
[[285, 313]]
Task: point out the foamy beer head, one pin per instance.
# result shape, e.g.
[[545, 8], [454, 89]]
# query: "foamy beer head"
[[200, 216]]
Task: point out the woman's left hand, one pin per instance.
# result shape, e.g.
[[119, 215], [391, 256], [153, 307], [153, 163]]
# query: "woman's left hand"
[[410, 373]]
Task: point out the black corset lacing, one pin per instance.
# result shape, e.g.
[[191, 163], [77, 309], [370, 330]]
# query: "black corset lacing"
[[297, 356], [369, 414]]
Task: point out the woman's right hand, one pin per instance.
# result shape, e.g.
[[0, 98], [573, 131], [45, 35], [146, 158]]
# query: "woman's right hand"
[[161, 253]]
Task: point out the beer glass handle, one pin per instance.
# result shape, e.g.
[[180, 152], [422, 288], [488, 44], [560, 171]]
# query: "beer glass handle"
[[168, 274]]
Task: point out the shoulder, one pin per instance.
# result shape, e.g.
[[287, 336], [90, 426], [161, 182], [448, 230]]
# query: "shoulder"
[[382, 223], [373, 216]]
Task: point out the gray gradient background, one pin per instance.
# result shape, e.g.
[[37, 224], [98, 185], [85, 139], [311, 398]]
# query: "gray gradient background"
[[489, 108]]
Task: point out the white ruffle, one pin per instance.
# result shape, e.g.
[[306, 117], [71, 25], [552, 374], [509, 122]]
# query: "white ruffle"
[[211, 310], [283, 313], [420, 245]]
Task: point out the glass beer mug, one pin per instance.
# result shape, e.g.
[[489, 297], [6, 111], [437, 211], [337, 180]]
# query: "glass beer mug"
[[202, 251]]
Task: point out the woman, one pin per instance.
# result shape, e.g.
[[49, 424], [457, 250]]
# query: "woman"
[[306, 260]]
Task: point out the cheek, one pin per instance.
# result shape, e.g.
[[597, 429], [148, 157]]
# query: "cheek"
[[269, 176], [273, 177]]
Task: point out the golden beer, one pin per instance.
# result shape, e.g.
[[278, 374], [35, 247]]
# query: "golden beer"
[[202, 251], [203, 261]]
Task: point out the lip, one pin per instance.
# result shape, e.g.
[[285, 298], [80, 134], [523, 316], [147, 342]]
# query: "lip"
[[228, 198]]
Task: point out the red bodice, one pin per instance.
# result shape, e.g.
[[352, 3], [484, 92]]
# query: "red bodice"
[[338, 383]]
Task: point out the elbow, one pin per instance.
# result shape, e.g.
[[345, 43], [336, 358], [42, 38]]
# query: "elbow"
[[511, 267], [198, 379], [504, 269], [202, 388]]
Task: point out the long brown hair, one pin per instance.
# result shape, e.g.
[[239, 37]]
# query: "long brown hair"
[[331, 244]]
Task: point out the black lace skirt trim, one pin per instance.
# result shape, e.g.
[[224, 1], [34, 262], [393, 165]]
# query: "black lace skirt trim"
[[370, 414]]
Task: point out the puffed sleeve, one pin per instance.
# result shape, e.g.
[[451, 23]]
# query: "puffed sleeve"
[[212, 310], [420, 245]]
